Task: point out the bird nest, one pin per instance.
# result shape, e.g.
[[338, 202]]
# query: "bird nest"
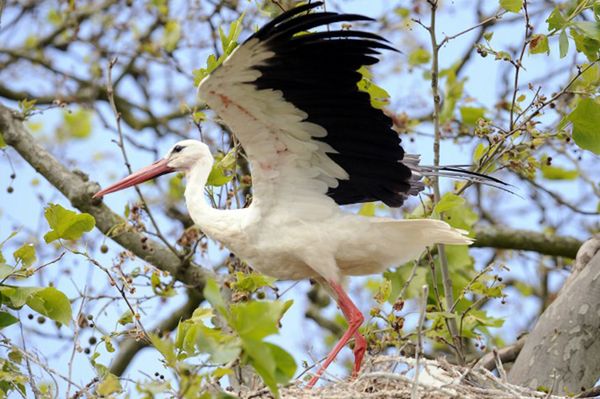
[[394, 377]]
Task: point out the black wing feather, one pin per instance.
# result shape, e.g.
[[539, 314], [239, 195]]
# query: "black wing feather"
[[317, 72]]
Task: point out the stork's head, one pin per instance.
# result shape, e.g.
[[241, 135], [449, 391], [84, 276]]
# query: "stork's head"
[[180, 158], [185, 154]]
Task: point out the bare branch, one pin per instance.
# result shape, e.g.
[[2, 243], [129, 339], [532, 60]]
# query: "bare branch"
[[545, 244], [76, 186]]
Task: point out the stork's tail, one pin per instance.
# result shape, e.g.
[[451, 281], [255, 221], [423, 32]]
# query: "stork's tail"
[[432, 231], [407, 239], [451, 171], [389, 243]]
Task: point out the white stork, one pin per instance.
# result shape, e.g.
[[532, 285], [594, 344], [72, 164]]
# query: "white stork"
[[314, 142]]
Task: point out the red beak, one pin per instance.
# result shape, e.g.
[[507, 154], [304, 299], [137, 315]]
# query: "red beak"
[[158, 168]]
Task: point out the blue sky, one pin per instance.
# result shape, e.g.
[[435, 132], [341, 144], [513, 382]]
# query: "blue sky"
[[408, 89]]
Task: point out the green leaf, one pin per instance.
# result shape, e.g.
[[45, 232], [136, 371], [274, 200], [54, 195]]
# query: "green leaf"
[[480, 288], [454, 90], [399, 277], [379, 97], [176, 187], [511, 5], [66, 224], [563, 44], [228, 162], [198, 116], [585, 45], [51, 303], [27, 106], [221, 372], [552, 172], [25, 254], [285, 365], [251, 282], [229, 41], [538, 44], [272, 363], [171, 35], [77, 124], [257, 320], [589, 29], [480, 317], [367, 209], [217, 176], [503, 55], [126, 318], [110, 348], [459, 258], [7, 319], [16, 356], [586, 119], [5, 271], [222, 348], [166, 347], [212, 293], [470, 115], [402, 12], [556, 20], [2, 142], [201, 313], [448, 201], [383, 292], [259, 355], [109, 385], [419, 56], [461, 216], [16, 297], [211, 64], [55, 17], [590, 79]]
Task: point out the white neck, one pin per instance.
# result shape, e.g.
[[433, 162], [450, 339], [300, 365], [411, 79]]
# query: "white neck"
[[216, 223]]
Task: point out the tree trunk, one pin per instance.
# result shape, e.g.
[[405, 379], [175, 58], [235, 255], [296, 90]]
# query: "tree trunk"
[[562, 352]]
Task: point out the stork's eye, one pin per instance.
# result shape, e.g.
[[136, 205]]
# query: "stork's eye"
[[178, 148]]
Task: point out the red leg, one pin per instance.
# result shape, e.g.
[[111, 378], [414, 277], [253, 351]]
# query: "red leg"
[[355, 319]]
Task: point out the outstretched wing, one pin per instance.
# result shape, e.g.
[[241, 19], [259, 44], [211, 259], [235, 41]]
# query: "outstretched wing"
[[290, 96]]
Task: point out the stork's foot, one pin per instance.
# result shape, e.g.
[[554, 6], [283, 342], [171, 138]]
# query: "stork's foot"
[[355, 319], [360, 347]]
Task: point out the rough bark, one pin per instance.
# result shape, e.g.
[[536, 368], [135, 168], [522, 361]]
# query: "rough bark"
[[562, 352]]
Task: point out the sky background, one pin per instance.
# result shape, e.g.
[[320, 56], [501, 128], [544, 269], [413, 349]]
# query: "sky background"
[[22, 210]]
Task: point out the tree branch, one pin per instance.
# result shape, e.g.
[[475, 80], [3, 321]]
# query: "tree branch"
[[437, 109], [563, 349], [76, 187], [508, 354], [526, 240]]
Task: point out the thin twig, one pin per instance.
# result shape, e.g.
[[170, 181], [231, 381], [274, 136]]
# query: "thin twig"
[[437, 107], [121, 144], [423, 308], [518, 65], [482, 23], [499, 366], [75, 337]]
